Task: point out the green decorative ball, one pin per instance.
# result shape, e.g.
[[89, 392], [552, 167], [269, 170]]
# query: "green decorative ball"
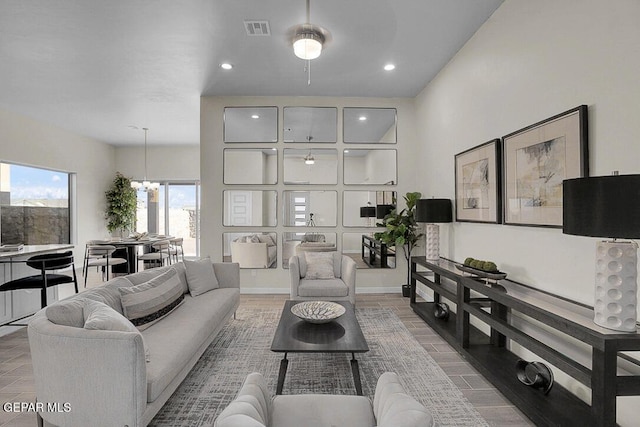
[[468, 261], [476, 264], [489, 266]]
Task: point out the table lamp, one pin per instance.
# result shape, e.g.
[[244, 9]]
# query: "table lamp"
[[368, 212], [608, 206], [383, 210], [433, 211]]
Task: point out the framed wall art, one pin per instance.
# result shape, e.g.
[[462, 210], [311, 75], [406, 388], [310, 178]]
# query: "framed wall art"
[[478, 178], [536, 160]]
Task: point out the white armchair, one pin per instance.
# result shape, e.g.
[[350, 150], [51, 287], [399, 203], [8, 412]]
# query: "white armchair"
[[337, 285], [391, 407]]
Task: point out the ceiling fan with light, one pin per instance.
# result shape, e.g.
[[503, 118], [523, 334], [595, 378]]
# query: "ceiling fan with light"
[[308, 41]]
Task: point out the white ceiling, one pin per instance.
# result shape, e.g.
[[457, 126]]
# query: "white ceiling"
[[98, 67]]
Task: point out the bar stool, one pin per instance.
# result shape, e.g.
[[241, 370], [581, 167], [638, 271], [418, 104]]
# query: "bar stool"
[[44, 280], [101, 256]]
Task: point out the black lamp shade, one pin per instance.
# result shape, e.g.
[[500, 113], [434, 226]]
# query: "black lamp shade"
[[602, 206], [383, 210], [367, 211], [433, 210]]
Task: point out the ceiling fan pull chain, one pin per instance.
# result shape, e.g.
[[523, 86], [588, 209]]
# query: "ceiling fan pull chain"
[[308, 72]]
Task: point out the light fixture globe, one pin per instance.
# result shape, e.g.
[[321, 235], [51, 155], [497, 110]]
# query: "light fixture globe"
[[307, 44], [309, 160]]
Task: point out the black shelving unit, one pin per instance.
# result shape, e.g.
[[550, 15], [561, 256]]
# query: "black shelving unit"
[[376, 253], [493, 304]]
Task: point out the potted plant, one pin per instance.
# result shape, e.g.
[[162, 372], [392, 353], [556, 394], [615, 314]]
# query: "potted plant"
[[402, 232], [121, 205]]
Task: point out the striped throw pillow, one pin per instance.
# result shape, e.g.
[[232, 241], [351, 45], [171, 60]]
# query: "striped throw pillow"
[[148, 302]]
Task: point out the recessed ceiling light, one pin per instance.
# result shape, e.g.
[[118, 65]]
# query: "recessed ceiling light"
[[255, 116], [226, 66], [389, 67], [362, 118]]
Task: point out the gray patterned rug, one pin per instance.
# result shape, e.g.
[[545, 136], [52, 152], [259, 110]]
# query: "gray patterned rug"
[[243, 346]]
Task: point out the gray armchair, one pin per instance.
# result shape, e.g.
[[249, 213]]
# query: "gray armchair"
[[340, 287]]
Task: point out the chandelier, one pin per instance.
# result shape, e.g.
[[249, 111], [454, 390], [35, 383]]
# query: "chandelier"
[[145, 185]]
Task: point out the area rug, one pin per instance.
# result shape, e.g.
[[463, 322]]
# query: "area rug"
[[243, 347]]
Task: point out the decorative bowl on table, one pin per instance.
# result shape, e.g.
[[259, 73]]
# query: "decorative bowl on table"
[[318, 311], [493, 275]]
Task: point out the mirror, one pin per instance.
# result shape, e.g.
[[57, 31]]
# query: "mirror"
[[295, 243], [369, 125], [367, 252], [246, 208], [310, 208], [370, 167], [315, 166], [366, 208], [250, 249], [310, 124], [250, 124], [250, 166]]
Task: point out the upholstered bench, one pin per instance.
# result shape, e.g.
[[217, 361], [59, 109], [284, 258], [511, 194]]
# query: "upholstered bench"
[[391, 407]]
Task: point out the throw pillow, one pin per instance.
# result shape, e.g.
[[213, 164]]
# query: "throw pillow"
[[146, 275], [108, 293], [67, 313], [319, 265], [200, 276], [148, 302], [99, 316], [266, 238]]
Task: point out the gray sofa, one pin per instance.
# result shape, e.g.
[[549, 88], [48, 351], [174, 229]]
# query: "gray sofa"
[[391, 407], [103, 374]]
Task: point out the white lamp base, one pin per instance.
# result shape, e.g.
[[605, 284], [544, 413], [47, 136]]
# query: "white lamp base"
[[432, 250], [616, 286]]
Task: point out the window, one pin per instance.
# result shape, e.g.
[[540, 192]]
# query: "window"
[[34, 205], [173, 210]]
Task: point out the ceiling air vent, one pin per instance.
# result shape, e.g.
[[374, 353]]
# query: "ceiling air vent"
[[257, 28]]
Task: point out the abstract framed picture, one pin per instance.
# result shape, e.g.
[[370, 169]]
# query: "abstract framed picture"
[[536, 160], [478, 178]]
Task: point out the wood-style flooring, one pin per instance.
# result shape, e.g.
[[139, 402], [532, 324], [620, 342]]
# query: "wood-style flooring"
[[17, 385]]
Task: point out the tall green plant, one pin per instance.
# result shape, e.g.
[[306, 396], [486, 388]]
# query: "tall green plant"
[[121, 205], [402, 229]]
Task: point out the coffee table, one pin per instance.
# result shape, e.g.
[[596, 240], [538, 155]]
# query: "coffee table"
[[342, 335]]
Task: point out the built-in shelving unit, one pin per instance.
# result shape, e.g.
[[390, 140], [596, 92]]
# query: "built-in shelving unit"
[[494, 304]]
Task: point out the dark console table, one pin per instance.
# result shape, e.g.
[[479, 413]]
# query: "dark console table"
[[495, 304], [374, 250]]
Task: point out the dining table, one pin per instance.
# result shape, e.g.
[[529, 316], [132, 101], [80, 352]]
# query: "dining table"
[[128, 248]]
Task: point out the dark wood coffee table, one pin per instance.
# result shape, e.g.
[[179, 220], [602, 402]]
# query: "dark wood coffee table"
[[342, 335]]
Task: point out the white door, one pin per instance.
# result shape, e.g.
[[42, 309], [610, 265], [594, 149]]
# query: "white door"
[[239, 213]]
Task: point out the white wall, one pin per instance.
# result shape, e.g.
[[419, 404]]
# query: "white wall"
[[178, 162], [325, 169], [32, 143], [529, 61], [211, 146]]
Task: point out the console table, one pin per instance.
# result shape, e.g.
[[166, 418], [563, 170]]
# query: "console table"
[[495, 304], [373, 249]]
